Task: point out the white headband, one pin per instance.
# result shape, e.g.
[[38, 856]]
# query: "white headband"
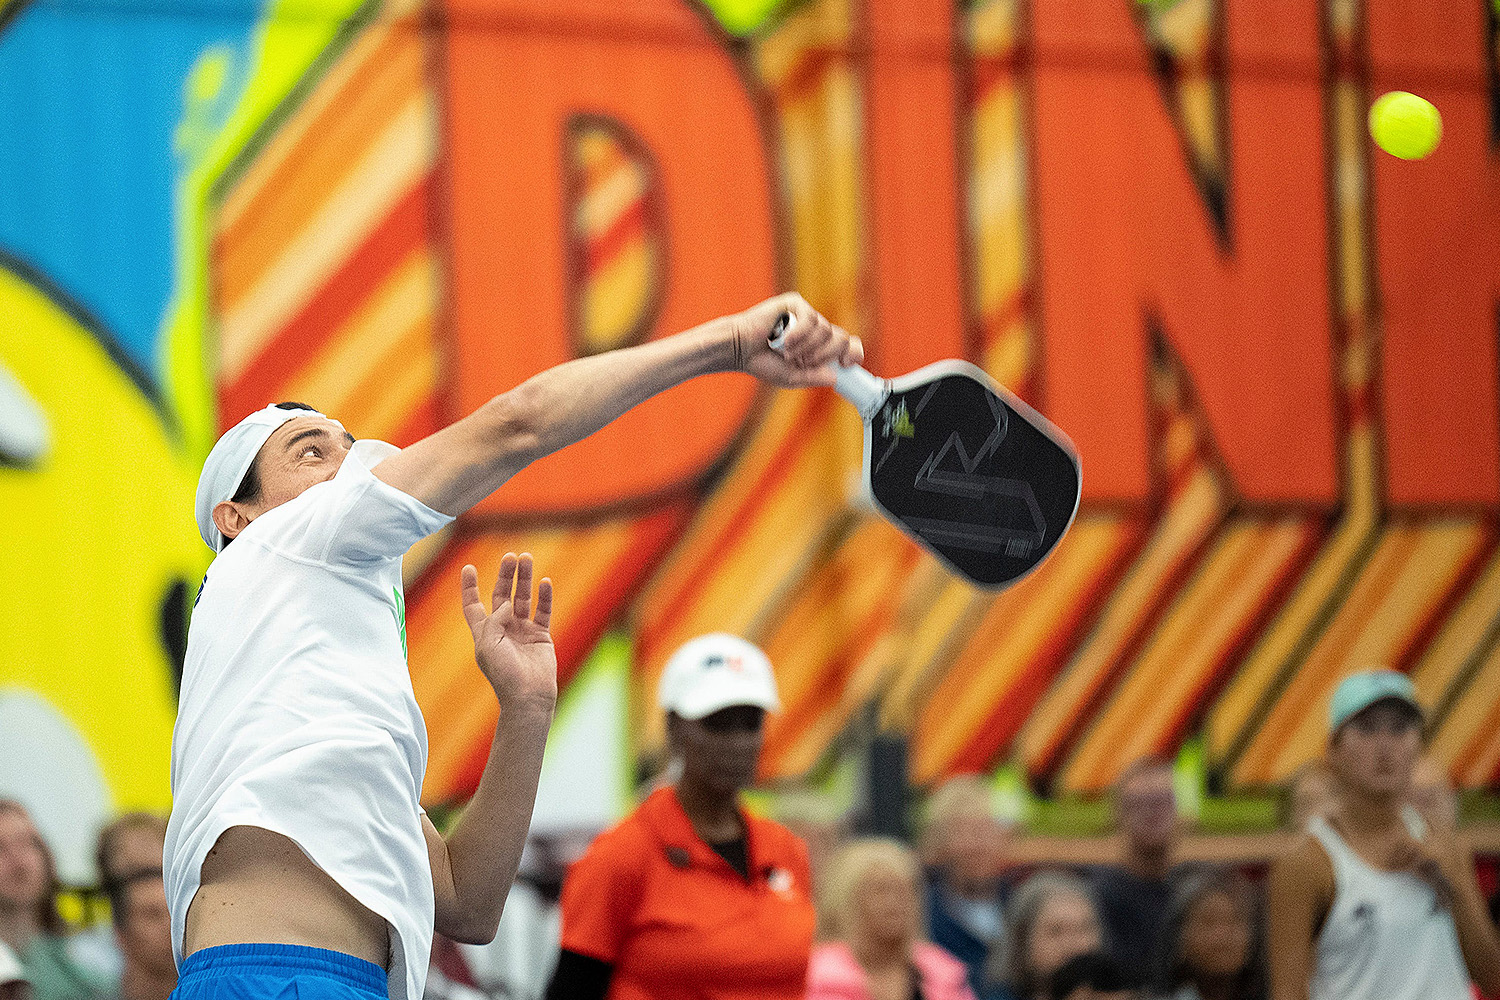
[[230, 459]]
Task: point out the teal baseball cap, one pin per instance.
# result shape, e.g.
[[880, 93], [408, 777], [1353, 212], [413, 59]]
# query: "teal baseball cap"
[[1358, 692]]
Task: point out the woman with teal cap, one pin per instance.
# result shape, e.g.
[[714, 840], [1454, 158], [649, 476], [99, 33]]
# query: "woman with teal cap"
[[1374, 901]]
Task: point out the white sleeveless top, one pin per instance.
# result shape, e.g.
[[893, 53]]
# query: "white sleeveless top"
[[1385, 937], [297, 713]]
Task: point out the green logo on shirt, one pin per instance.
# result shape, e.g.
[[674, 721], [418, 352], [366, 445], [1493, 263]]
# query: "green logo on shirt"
[[400, 612]]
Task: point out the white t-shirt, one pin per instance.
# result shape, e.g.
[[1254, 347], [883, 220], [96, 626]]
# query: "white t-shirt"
[[1385, 937], [297, 713]]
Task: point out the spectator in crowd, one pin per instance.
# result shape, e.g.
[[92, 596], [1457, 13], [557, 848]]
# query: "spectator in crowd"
[[143, 930], [1092, 976], [1311, 792], [29, 921], [13, 984], [1133, 896], [1376, 902], [965, 848], [450, 976], [1211, 944], [129, 845], [873, 905], [819, 822], [1432, 794], [690, 896], [1052, 917]]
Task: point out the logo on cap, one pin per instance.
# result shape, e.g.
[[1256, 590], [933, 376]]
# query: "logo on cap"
[[736, 664]]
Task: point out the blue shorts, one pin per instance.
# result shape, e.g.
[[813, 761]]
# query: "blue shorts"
[[277, 972]]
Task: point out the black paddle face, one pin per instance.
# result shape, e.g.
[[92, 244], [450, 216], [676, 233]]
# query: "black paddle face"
[[966, 473]]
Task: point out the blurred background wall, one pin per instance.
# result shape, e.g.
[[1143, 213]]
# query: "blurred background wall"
[[1164, 226]]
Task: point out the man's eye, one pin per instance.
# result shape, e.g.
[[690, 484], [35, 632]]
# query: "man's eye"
[[312, 449]]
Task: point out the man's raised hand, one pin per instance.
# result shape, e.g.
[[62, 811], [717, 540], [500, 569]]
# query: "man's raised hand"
[[813, 345], [513, 644]]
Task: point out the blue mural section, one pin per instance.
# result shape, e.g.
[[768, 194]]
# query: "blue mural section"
[[92, 96]]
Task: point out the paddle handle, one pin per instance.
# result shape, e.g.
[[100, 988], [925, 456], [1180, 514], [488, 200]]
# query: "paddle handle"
[[858, 386]]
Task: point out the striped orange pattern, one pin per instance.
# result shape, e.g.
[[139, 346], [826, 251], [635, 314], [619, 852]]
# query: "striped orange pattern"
[[1404, 592], [325, 281], [1187, 39], [1467, 740], [1015, 651], [975, 664], [1447, 675], [1189, 655], [998, 213], [781, 508], [823, 645], [1250, 562], [592, 570], [1281, 648], [1196, 504], [617, 240], [327, 287]]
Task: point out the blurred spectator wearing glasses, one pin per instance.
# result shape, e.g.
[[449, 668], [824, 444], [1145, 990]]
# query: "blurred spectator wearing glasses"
[[965, 848], [143, 930], [1135, 894], [129, 845]]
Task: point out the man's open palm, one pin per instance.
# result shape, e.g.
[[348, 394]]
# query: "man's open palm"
[[513, 645]]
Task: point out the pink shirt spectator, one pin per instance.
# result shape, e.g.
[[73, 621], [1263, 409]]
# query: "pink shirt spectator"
[[835, 974]]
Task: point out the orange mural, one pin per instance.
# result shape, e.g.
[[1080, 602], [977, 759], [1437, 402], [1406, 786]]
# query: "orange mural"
[[1274, 346]]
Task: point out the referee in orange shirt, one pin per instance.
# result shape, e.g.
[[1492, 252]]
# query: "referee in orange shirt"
[[691, 898]]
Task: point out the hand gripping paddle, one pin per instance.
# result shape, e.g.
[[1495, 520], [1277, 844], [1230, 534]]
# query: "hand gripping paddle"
[[971, 473]]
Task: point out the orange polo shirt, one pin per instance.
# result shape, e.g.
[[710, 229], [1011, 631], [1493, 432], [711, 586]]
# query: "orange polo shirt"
[[677, 922]]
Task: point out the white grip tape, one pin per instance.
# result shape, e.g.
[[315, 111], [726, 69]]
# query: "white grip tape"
[[855, 384]]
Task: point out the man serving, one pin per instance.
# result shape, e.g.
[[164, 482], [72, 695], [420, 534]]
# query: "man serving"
[[297, 854]]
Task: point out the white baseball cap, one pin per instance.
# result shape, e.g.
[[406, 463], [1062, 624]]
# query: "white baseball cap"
[[10, 966], [1359, 691], [230, 459], [716, 671]]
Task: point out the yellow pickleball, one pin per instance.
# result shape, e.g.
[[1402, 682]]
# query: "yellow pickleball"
[[1405, 125]]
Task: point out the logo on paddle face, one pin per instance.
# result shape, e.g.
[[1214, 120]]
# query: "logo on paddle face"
[[897, 421]]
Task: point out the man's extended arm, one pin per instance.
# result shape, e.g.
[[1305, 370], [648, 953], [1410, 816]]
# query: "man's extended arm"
[[460, 465], [473, 868]]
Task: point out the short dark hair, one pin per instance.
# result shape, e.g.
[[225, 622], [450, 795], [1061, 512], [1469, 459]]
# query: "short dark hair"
[[249, 488], [109, 838], [1172, 969], [1148, 764], [1413, 714], [1094, 969]]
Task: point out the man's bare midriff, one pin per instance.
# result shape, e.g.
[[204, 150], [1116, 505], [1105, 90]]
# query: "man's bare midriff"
[[258, 886]]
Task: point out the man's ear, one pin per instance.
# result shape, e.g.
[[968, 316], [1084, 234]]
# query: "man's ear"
[[230, 519]]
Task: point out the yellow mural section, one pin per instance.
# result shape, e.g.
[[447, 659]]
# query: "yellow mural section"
[[108, 532]]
